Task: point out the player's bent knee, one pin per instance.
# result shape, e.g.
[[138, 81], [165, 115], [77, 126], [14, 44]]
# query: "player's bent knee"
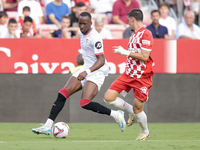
[[106, 97], [110, 95], [84, 102]]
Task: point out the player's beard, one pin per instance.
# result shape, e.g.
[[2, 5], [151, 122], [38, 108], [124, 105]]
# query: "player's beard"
[[85, 31], [132, 30]]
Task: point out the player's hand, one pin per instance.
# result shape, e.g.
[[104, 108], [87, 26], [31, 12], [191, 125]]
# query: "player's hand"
[[116, 49], [12, 32], [82, 75], [120, 50]]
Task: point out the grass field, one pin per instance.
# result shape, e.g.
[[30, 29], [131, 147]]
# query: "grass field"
[[105, 136]]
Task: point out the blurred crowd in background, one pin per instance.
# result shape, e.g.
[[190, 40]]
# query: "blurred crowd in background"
[[168, 19]]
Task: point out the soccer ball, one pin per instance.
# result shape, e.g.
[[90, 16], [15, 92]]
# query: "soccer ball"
[[60, 130]]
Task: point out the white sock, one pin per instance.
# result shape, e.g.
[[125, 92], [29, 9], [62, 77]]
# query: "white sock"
[[49, 123], [114, 114], [142, 120], [129, 108], [121, 104]]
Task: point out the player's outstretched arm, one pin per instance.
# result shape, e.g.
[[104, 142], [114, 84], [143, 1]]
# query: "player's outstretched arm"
[[144, 55]]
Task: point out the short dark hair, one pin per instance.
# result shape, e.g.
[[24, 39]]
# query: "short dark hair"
[[136, 13], [154, 11], [86, 14], [12, 20], [164, 4], [66, 17], [28, 19], [3, 13], [80, 4], [26, 8]]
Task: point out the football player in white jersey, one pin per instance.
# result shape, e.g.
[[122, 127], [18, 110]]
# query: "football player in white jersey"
[[90, 77]]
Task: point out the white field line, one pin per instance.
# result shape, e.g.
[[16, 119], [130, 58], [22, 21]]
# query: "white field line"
[[98, 141]]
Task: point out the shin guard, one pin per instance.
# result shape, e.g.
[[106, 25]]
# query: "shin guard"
[[59, 103], [95, 107]]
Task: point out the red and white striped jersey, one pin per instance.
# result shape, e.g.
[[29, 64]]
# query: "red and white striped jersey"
[[140, 40]]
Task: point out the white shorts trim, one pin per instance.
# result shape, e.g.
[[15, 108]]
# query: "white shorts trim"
[[96, 77]]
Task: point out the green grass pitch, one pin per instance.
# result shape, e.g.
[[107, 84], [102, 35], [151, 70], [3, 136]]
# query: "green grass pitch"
[[102, 136]]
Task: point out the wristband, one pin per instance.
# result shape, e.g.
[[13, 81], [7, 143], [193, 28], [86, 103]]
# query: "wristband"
[[123, 51], [88, 71]]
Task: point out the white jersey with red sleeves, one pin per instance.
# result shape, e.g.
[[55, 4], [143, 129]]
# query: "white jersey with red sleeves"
[[140, 40], [92, 45]]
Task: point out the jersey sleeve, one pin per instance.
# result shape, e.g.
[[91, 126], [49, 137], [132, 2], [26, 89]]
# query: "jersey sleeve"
[[180, 31], [79, 33], [3, 33], [98, 46], [115, 11], [173, 24], [166, 31], [39, 10], [147, 41], [48, 9], [68, 12]]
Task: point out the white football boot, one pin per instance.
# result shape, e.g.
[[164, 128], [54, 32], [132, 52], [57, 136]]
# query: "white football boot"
[[120, 120], [142, 136], [131, 119], [42, 130]]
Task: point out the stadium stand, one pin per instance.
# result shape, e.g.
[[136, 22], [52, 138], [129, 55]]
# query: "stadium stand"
[[116, 30], [103, 16], [12, 14], [44, 28]]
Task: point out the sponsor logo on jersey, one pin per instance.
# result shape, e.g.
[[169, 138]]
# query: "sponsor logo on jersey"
[[135, 41], [98, 45], [86, 41], [146, 42]]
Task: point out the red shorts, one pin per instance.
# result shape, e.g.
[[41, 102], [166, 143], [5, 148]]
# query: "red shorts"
[[140, 86]]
